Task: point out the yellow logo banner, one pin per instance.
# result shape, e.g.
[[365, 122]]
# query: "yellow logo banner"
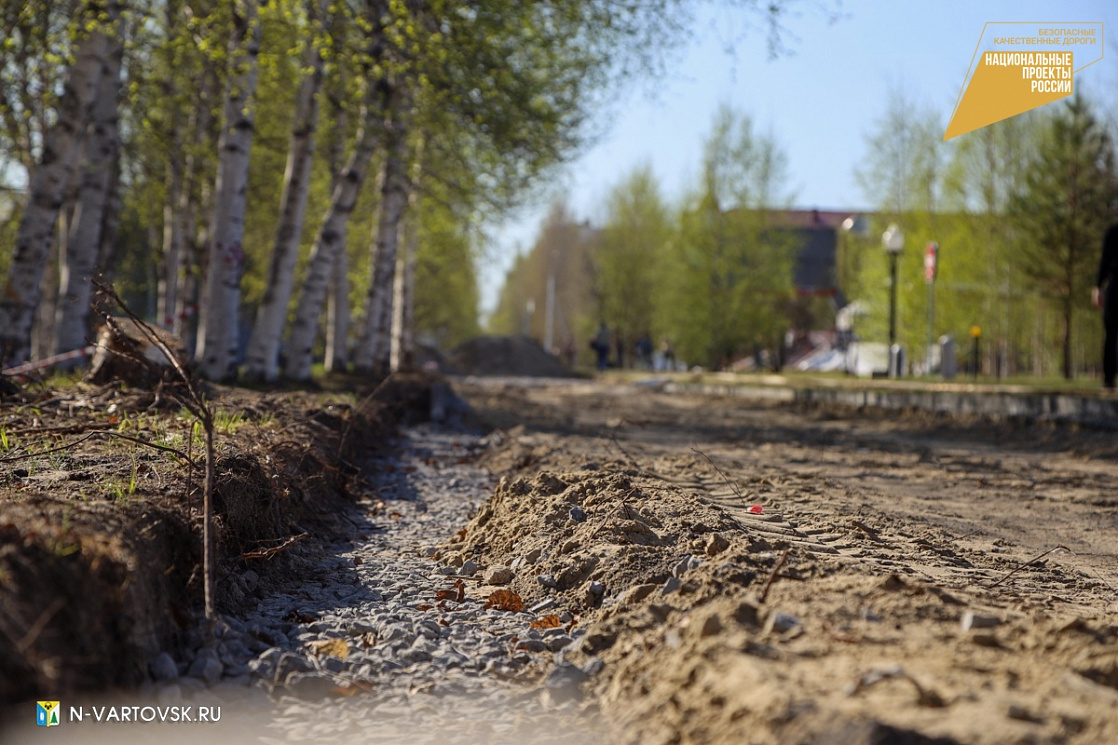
[[1019, 66]]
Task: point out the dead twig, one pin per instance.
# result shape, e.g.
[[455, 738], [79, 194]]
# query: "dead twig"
[[149, 444], [100, 433], [772, 575], [41, 622], [72, 429], [268, 553], [193, 401], [1031, 562], [625, 453], [67, 446], [725, 478]]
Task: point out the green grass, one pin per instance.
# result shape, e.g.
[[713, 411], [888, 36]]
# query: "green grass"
[[796, 379]]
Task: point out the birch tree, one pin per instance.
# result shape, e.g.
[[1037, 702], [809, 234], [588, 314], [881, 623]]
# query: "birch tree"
[[78, 262], [57, 163], [262, 360], [337, 299], [403, 286], [220, 307], [331, 239], [372, 351]]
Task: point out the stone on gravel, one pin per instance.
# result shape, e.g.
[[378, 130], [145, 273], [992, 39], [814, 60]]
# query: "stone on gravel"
[[163, 667], [672, 584], [972, 620], [206, 666], [716, 544], [498, 575]]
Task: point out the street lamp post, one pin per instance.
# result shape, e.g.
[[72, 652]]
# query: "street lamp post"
[[892, 240]]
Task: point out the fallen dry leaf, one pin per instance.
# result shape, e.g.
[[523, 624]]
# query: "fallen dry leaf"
[[330, 648], [505, 600], [547, 622], [458, 594]]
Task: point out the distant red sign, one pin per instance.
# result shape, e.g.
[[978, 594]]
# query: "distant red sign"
[[930, 254]]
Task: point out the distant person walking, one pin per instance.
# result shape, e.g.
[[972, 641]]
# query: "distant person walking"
[[601, 345], [1105, 296]]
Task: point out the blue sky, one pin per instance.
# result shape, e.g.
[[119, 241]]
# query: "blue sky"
[[819, 100]]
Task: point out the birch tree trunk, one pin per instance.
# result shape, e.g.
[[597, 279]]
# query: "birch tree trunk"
[[330, 242], [79, 261], [174, 237], [371, 354], [110, 224], [401, 343], [218, 324], [188, 269], [337, 299], [402, 352], [337, 316], [46, 192], [262, 359]]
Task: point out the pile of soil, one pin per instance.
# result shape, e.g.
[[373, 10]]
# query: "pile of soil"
[[506, 355], [714, 622], [100, 517]]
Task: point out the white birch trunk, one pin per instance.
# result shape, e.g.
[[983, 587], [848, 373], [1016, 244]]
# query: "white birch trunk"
[[262, 358], [329, 243], [371, 354], [174, 236], [46, 192], [79, 261], [337, 316], [401, 345], [174, 225], [403, 298], [337, 298], [218, 324], [110, 224], [187, 271]]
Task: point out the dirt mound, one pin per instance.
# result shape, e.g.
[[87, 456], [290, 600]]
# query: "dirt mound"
[[100, 523], [710, 627], [506, 355]]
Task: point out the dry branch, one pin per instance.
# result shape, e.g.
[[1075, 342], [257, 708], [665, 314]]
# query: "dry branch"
[[1032, 561], [773, 575], [193, 401], [725, 478], [267, 553]]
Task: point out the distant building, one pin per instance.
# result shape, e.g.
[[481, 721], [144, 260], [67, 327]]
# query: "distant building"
[[816, 273]]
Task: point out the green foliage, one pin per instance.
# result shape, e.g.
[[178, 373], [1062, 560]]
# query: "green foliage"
[[1018, 211], [629, 259], [730, 265], [1068, 198], [905, 160], [563, 250], [446, 289]]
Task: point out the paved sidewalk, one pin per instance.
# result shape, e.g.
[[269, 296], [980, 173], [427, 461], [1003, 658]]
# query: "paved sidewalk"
[[1017, 401]]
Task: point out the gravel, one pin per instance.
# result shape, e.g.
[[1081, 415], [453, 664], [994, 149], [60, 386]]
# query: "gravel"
[[367, 650]]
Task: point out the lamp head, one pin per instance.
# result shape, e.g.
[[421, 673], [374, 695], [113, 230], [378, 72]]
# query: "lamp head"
[[892, 239]]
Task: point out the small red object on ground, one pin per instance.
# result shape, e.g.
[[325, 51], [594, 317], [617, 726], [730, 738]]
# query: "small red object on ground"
[[755, 509]]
